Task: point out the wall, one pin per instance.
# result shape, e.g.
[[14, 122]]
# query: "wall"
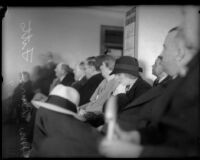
[[72, 33], [153, 24]]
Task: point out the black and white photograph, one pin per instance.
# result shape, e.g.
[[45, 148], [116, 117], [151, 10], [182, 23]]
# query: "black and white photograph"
[[100, 81]]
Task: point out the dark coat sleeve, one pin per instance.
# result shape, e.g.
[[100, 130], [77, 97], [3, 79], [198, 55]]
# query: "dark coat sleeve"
[[139, 88], [88, 89], [175, 119]]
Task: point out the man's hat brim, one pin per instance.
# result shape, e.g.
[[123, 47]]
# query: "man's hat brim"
[[52, 107]]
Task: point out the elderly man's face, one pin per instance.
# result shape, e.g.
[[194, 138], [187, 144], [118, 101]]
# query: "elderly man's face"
[[58, 70], [169, 54], [78, 72], [190, 25], [157, 68]]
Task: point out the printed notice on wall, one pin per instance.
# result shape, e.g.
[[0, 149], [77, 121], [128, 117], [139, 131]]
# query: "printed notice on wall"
[[129, 32]]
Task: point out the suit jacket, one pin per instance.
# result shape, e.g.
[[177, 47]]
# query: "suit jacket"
[[175, 125], [68, 80], [139, 88], [79, 84], [88, 89], [163, 81], [138, 113], [128, 112], [62, 135]]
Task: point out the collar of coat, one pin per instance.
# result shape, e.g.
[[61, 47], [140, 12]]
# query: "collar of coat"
[[149, 95]]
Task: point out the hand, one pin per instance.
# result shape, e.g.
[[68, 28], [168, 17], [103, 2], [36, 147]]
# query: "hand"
[[82, 112], [40, 97], [84, 106], [132, 136], [120, 89], [119, 149], [81, 118]]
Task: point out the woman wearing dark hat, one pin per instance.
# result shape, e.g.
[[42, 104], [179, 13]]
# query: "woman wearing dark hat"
[[127, 70], [58, 130]]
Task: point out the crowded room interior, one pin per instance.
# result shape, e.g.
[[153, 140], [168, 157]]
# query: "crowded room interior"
[[117, 81]]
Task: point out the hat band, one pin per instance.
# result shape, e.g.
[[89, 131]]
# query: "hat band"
[[61, 102], [128, 67]]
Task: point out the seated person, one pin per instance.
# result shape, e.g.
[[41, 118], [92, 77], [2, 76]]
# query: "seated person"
[[46, 74], [94, 78], [157, 70], [58, 131], [127, 70], [125, 76], [64, 75], [22, 92], [79, 76], [173, 131], [92, 110]]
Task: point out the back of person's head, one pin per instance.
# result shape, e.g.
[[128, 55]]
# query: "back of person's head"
[[170, 53], [108, 60], [190, 26], [176, 53], [94, 62], [62, 69], [66, 68]]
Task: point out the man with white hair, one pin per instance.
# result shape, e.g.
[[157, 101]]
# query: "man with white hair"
[[157, 70], [64, 75], [173, 131]]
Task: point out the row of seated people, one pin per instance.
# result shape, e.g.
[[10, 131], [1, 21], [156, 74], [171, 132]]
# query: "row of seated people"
[[159, 121], [104, 76], [99, 81]]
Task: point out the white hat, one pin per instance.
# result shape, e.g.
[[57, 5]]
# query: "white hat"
[[63, 99]]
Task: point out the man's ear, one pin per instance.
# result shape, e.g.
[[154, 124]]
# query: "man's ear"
[[180, 51]]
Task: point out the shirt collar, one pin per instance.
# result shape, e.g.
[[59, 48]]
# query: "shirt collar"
[[61, 78], [162, 78]]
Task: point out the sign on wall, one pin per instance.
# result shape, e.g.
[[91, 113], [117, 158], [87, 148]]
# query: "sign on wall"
[[130, 33]]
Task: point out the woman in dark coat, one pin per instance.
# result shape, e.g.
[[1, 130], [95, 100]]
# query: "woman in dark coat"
[[58, 131]]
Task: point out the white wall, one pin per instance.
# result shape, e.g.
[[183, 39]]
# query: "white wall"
[[153, 24], [72, 33]]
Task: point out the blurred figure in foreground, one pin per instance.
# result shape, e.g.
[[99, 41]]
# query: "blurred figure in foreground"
[[174, 130]]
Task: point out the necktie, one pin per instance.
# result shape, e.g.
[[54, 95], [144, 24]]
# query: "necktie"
[[128, 87], [156, 82]]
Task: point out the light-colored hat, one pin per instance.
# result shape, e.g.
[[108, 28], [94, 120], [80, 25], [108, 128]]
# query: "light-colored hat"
[[63, 99]]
